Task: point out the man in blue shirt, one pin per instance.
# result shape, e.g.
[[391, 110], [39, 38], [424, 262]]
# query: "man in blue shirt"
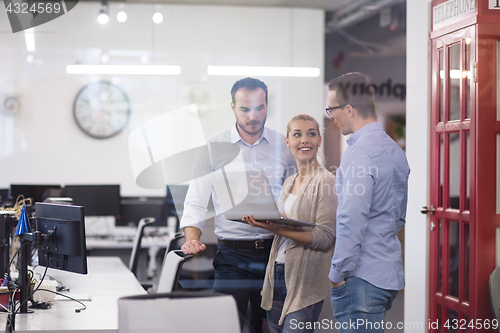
[[372, 188]]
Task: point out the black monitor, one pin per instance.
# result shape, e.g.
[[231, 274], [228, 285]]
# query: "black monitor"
[[4, 196], [98, 200], [133, 209], [67, 248], [37, 192]]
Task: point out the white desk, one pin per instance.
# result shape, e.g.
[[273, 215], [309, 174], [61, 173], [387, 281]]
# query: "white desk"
[[117, 242], [107, 280], [151, 242]]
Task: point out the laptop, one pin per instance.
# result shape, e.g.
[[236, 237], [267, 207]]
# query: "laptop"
[[249, 193]]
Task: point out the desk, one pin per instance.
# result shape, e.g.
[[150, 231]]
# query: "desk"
[[108, 279], [116, 242], [152, 242]]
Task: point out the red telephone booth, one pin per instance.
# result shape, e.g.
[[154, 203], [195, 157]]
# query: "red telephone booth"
[[465, 150]]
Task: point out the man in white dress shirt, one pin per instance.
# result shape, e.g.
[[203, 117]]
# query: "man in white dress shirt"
[[243, 250]]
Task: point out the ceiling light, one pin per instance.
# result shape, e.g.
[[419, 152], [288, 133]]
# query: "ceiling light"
[[29, 36], [121, 16], [123, 69], [104, 58], [103, 17], [263, 71], [157, 18]]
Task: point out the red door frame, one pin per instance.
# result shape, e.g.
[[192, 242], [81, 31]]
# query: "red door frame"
[[444, 214], [484, 128], [487, 126]]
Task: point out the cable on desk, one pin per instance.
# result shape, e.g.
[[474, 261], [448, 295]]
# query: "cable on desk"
[[71, 298], [31, 293], [18, 206]]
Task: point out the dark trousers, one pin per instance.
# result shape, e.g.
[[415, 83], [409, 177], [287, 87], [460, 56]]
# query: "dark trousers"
[[240, 273]]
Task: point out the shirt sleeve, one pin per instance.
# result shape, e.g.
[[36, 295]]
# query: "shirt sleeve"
[[196, 203], [291, 168], [355, 191]]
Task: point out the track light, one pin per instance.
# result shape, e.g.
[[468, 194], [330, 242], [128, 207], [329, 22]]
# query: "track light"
[[103, 17]]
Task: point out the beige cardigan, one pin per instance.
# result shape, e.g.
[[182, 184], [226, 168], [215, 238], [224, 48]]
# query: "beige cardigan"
[[306, 268]]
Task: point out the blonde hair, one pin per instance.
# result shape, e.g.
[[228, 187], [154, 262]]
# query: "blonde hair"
[[301, 117]]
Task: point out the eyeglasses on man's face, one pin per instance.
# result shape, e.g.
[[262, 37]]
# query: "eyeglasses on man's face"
[[330, 110]]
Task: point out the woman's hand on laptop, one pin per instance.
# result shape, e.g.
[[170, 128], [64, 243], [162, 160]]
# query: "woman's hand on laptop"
[[268, 225]]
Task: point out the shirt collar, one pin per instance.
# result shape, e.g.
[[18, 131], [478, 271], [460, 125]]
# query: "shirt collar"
[[235, 136], [376, 126]]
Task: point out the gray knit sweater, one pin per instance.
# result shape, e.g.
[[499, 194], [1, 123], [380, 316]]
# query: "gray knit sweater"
[[306, 268]]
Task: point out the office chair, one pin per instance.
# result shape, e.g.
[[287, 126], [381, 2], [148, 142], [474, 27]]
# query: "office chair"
[[178, 312], [174, 242], [171, 270], [495, 293], [136, 248], [199, 273]]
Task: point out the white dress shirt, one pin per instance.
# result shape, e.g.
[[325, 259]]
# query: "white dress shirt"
[[269, 154]]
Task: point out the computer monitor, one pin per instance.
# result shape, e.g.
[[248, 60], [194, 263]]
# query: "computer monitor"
[[133, 209], [176, 195], [67, 250], [37, 192], [4, 196], [98, 200]]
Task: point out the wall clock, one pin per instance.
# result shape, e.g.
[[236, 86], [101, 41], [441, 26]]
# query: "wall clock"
[[101, 110], [11, 105]]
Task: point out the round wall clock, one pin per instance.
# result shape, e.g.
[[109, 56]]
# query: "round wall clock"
[[101, 110], [11, 105]]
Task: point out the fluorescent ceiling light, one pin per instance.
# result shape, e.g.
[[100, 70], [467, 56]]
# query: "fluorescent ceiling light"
[[263, 71], [123, 69], [30, 39]]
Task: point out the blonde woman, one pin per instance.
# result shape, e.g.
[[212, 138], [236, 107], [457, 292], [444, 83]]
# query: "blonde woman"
[[296, 281]]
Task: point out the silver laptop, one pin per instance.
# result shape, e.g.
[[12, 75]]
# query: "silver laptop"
[[243, 193]]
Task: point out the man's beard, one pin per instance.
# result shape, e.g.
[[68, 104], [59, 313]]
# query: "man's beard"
[[243, 128]]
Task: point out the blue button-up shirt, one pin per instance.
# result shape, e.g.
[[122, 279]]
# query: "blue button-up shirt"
[[372, 189]]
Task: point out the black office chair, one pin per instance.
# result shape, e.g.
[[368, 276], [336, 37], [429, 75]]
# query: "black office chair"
[[495, 293]]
